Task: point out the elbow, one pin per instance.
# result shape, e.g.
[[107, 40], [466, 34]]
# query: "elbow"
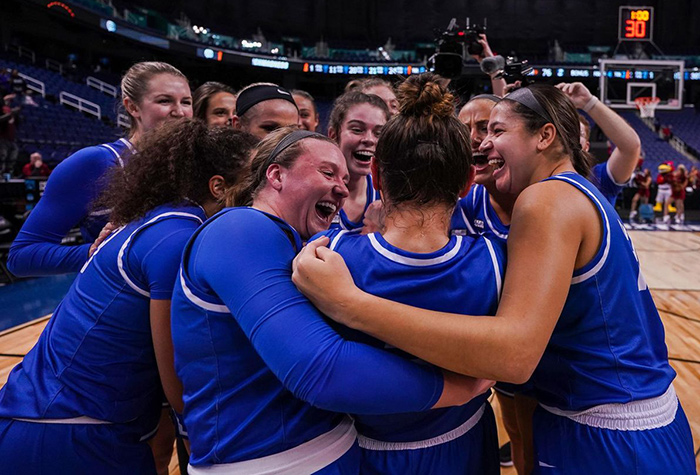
[[14, 259], [518, 369]]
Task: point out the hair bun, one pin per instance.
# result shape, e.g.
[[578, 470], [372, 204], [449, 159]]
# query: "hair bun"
[[425, 95]]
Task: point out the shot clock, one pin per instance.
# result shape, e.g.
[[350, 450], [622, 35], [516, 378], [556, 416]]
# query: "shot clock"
[[636, 23]]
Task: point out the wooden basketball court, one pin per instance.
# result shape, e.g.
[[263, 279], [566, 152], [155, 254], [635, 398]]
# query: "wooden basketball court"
[[671, 266]]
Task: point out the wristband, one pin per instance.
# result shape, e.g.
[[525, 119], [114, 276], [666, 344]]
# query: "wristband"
[[590, 104]]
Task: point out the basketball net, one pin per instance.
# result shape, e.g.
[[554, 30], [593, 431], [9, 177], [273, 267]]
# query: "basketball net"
[[647, 106]]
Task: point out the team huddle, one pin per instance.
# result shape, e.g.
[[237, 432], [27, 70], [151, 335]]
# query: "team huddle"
[[344, 304]]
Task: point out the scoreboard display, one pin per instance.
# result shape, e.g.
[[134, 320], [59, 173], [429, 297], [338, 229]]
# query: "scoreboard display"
[[636, 23]]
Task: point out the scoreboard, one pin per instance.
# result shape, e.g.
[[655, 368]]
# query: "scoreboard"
[[636, 23]]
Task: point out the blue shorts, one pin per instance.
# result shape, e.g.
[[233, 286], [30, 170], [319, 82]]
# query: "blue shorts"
[[474, 452], [563, 446], [106, 449], [348, 464]]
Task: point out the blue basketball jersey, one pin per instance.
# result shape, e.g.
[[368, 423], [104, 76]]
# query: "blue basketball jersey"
[[608, 345], [474, 216], [67, 202], [95, 357], [341, 220], [464, 277], [601, 178], [260, 366]]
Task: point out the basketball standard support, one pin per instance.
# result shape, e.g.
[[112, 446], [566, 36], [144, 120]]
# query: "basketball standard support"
[[633, 68]]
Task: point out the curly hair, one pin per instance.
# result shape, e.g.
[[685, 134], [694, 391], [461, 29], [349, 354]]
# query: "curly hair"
[[175, 163]]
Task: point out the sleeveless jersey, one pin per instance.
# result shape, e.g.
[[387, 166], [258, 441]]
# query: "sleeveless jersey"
[[464, 277], [474, 216], [260, 366], [608, 344], [341, 220], [95, 358]]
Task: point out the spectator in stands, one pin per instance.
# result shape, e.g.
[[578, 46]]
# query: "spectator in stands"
[[215, 104], [8, 133], [378, 87], [263, 107], [36, 167], [308, 114], [19, 87], [667, 132]]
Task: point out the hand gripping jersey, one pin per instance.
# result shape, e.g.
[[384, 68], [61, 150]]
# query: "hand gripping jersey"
[[66, 202], [341, 220], [463, 277], [604, 378], [94, 365], [260, 366]]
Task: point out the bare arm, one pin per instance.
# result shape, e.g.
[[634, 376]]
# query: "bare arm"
[[623, 160], [163, 346], [545, 235], [498, 85]]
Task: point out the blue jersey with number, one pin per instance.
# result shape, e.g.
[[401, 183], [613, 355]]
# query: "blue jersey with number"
[[464, 277], [67, 202], [608, 344], [341, 220], [95, 357], [260, 366]]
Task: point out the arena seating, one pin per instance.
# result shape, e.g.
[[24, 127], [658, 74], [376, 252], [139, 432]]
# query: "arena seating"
[[656, 150], [685, 123]]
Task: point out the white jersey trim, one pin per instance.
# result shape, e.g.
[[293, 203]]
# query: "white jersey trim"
[[308, 457], [211, 307], [71, 420], [612, 179], [487, 204], [412, 261], [466, 221], [645, 414], [496, 268], [102, 244], [122, 250], [335, 240], [373, 444], [594, 270]]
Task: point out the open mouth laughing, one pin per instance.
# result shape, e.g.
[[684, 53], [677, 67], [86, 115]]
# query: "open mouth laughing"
[[363, 156]]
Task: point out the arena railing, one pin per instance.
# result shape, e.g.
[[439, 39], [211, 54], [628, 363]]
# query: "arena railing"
[[123, 120], [79, 103], [22, 52], [34, 84], [102, 86], [53, 65]]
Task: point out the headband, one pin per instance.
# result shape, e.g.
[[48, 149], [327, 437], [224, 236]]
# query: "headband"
[[490, 97], [263, 92], [525, 97], [287, 142]]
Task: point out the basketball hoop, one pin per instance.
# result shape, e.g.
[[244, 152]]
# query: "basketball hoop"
[[647, 106]]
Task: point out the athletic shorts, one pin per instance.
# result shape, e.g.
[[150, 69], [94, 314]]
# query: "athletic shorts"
[[476, 452], [563, 446], [30, 448], [663, 194]]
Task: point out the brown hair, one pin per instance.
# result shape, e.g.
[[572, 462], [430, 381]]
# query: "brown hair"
[[307, 96], [201, 96], [586, 126], [175, 163], [255, 179], [135, 81], [564, 117], [344, 103], [424, 153], [362, 84]]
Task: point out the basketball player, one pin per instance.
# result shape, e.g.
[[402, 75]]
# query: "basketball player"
[[422, 164], [355, 124], [215, 104], [575, 308], [264, 107], [153, 93], [260, 367], [79, 401]]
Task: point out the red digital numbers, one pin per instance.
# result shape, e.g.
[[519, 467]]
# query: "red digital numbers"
[[635, 29], [636, 23]]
